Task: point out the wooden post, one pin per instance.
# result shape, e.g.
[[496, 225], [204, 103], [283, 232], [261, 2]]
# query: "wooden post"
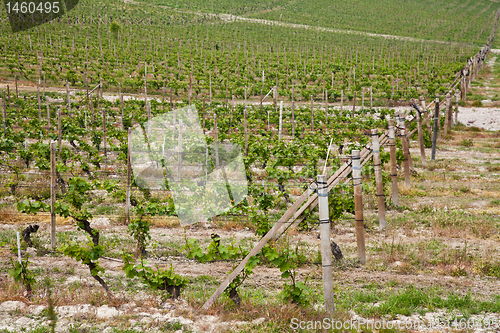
[[275, 95], [39, 102], [363, 98], [435, 129], [92, 116], [281, 120], [179, 152], [48, 115], [358, 206], [394, 169], [121, 105], [52, 195], [4, 112], [163, 91], [456, 108], [68, 99], [326, 106], [293, 115], [246, 130], [406, 152], [378, 178], [148, 110], [210, 87], [262, 92], [354, 104], [190, 89], [59, 132], [426, 119], [449, 115], [420, 137], [8, 95], [203, 113], [232, 113], [146, 85], [371, 97], [17, 93], [326, 252], [216, 131], [129, 175], [104, 138], [312, 114], [341, 101], [462, 88], [446, 118], [171, 99]]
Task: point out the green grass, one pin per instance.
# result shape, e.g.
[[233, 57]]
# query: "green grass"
[[412, 300], [392, 17]]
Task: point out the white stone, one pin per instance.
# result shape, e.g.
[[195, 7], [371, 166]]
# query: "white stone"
[[30, 252], [258, 321], [181, 320], [12, 305], [100, 222], [24, 321], [105, 312], [36, 309]]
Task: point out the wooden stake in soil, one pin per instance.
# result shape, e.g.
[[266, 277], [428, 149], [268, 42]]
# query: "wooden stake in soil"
[[427, 120], [341, 101], [358, 206], [179, 152], [39, 102], [326, 252], [446, 116], [52, 195], [68, 99], [59, 133], [232, 113], [4, 112], [449, 116], [281, 120], [17, 93], [435, 129], [48, 115], [406, 151], [104, 138], [394, 169], [312, 114], [148, 110], [121, 105], [354, 104], [246, 130], [371, 98], [129, 175], [216, 131], [293, 115], [326, 106], [146, 85], [363, 99], [420, 137], [203, 113], [456, 108], [378, 178]]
